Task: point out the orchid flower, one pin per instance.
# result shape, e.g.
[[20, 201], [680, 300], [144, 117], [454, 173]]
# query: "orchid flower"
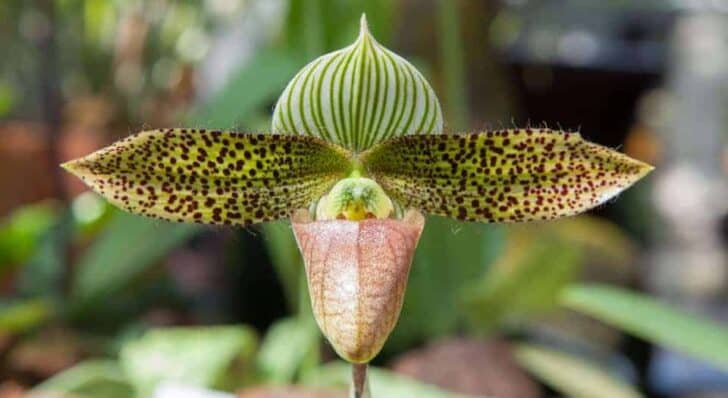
[[356, 155]]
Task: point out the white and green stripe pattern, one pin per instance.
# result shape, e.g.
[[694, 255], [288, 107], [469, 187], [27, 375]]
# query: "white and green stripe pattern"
[[358, 96]]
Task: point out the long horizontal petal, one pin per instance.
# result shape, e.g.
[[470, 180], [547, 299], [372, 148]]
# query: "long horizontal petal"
[[212, 177], [501, 176]]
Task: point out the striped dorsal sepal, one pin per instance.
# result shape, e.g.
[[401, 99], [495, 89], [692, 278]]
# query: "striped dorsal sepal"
[[501, 176], [358, 96], [213, 177]]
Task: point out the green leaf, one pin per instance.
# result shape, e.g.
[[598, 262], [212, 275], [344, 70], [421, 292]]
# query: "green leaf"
[[453, 63], [450, 256], [213, 177], [358, 96], [90, 213], [257, 82], [18, 317], [522, 286], [303, 28], [93, 378], [287, 348], [501, 176], [384, 384], [285, 257], [197, 357], [127, 246], [7, 98], [603, 240], [649, 319], [570, 375], [318, 25], [44, 272], [22, 230]]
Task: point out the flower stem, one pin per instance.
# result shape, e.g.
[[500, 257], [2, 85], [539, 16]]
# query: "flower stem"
[[359, 382], [453, 64]]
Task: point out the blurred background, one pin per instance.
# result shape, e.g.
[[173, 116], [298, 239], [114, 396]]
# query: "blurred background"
[[630, 300]]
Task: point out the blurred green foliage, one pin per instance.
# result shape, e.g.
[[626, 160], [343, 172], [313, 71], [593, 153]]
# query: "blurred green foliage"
[[572, 375], [291, 346], [127, 50], [21, 231], [93, 378], [126, 247], [530, 288], [651, 320], [20, 316], [222, 358], [465, 279], [449, 257], [216, 357], [384, 383]]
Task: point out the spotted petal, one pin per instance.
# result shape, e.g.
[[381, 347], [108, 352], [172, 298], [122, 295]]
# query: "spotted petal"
[[358, 96], [213, 177], [501, 176]]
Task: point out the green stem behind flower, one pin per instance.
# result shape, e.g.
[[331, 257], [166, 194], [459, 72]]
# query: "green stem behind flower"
[[453, 64]]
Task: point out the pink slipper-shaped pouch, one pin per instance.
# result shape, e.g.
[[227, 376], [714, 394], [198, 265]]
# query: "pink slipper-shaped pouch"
[[357, 274]]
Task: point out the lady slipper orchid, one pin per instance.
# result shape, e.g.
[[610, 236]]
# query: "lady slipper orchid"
[[356, 154], [357, 273]]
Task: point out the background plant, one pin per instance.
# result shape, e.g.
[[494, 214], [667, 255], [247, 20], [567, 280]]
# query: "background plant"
[[141, 282]]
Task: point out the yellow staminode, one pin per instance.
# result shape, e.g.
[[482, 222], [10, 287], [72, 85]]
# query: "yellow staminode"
[[355, 199]]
